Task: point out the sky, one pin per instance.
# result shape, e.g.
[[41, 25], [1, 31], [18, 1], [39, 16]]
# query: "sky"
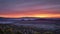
[[30, 8]]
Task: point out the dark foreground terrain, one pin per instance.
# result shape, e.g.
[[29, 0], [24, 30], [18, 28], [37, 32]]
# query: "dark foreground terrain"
[[29, 26], [13, 29]]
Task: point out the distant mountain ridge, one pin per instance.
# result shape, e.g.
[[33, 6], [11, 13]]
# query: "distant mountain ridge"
[[31, 20], [36, 18]]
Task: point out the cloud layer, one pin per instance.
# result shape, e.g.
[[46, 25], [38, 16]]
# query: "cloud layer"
[[29, 7]]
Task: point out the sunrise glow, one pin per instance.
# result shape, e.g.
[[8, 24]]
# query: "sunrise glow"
[[36, 15], [30, 8]]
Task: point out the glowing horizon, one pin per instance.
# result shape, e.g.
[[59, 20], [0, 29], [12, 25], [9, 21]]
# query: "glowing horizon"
[[36, 15], [30, 8]]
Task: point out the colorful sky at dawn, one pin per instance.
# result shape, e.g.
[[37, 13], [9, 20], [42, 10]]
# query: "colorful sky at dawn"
[[30, 8]]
